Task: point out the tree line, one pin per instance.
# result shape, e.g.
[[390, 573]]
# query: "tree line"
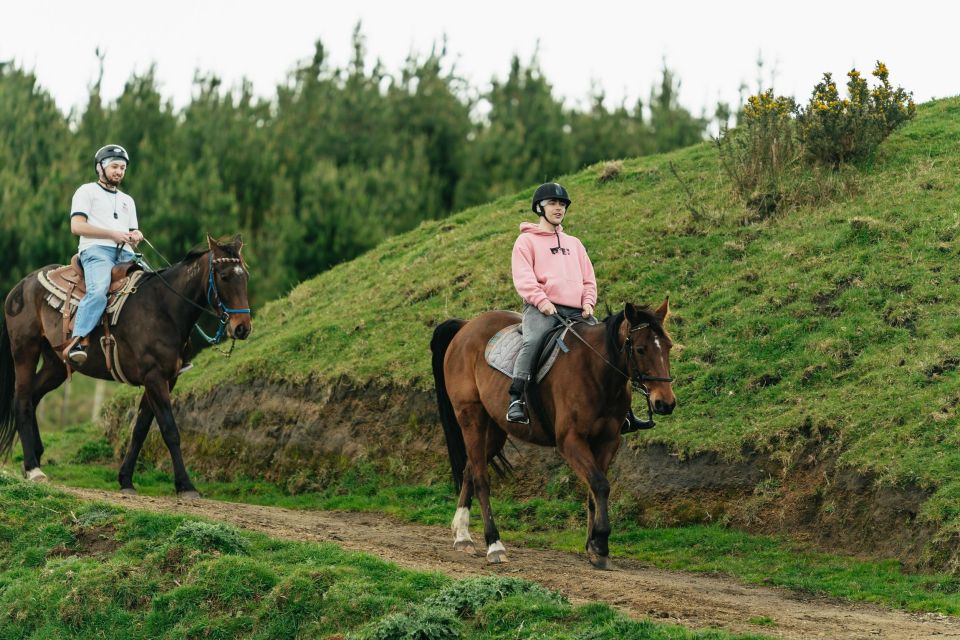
[[335, 161]]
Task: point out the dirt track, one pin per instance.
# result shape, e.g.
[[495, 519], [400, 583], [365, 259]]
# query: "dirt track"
[[695, 601]]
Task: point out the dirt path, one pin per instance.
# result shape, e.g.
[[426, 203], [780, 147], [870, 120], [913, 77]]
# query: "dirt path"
[[692, 600]]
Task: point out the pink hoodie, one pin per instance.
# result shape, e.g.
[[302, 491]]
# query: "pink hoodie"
[[543, 272]]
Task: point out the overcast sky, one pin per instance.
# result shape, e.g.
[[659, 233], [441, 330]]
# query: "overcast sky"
[[712, 46]]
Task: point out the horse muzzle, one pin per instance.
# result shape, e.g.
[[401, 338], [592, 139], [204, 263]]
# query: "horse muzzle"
[[241, 329], [663, 407]]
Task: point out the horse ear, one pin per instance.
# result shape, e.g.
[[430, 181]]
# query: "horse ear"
[[630, 311], [211, 243], [237, 242], [663, 311]]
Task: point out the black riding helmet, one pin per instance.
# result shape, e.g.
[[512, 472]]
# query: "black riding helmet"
[[109, 152], [549, 191]]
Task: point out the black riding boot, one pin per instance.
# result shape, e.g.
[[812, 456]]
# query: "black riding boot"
[[633, 423], [517, 409]]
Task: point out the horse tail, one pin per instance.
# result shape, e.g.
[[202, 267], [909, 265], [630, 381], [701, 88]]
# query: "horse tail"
[[8, 424], [456, 448]]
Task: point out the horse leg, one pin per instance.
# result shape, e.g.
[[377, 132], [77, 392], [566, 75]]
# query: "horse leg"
[[51, 376], [461, 519], [158, 394], [582, 459], [25, 365], [476, 425], [140, 430]]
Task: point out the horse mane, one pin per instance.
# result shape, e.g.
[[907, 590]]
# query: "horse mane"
[[613, 321], [200, 250]]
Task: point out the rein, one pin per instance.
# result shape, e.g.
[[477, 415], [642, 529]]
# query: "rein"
[[636, 381]]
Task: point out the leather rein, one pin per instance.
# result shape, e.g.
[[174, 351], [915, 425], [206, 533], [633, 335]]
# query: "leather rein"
[[638, 378]]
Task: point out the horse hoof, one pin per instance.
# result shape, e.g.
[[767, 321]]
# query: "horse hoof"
[[600, 562], [35, 475], [128, 491], [466, 546], [496, 557], [189, 495]]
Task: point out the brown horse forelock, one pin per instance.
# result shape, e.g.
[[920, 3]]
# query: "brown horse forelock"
[[613, 321]]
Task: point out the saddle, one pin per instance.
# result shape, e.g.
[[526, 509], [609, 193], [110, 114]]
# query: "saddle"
[[503, 348], [66, 287]]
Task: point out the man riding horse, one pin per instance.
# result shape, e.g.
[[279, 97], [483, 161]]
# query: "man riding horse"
[[105, 218]]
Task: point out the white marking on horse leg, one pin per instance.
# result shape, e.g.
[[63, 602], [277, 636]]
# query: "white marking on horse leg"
[[35, 475], [461, 530], [461, 521], [496, 553]]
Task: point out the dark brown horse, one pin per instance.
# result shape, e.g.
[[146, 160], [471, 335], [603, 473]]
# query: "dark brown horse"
[[151, 337], [583, 402]]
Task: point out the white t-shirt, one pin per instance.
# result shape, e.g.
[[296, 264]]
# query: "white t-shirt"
[[106, 209]]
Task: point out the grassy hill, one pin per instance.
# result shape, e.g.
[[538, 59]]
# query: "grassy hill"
[[835, 324]]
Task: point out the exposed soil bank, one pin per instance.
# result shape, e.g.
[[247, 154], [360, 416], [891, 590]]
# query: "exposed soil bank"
[[304, 436]]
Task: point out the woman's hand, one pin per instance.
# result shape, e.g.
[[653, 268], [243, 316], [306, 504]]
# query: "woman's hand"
[[546, 308]]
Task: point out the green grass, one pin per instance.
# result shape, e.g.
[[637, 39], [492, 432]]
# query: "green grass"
[[557, 521], [87, 570], [837, 320]]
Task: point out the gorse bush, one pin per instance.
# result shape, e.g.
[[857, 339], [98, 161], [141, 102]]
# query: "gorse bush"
[[837, 130], [780, 152], [758, 155]]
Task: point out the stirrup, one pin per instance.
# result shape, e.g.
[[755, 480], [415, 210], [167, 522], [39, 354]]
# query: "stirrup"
[[77, 355], [632, 423], [523, 418]]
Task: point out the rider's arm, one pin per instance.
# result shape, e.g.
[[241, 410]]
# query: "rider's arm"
[[524, 279], [589, 279], [80, 227]]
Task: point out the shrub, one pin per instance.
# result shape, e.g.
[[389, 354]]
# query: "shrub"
[[838, 130], [758, 155]]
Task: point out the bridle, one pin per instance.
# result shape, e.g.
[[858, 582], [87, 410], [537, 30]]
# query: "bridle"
[[225, 311], [223, 318], [637, 378]]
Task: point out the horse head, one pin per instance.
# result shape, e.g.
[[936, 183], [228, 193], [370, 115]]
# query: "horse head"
[[227, 285], [646, 345]]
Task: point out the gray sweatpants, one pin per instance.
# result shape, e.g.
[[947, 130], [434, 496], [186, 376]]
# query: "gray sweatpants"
[[535, 328]]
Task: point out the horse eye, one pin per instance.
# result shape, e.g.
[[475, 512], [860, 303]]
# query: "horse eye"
[[641, 350]]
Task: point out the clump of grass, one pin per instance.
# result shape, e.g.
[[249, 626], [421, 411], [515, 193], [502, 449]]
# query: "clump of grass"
[[466, 597], [210, 536], [96, 451], [610, 171], [422, 623]]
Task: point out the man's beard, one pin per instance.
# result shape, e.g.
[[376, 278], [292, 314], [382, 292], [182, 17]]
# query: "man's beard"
[[110, 182]]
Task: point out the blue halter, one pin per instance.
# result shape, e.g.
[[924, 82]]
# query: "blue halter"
[[225, 311]]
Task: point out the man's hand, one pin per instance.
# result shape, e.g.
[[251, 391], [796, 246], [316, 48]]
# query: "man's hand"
[[120, 237], [546, 308], [135, 237], [587, 310]]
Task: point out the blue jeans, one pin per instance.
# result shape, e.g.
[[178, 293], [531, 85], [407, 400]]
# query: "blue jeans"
[[97, 262], [535, 328]]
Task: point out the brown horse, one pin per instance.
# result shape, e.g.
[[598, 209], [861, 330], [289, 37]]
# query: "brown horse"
[[582, 405], [151, 337]]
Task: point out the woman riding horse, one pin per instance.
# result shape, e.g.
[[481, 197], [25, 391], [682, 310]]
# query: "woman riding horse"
[[584, 400]]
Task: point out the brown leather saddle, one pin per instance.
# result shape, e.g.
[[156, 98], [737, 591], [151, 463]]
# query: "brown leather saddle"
[[66, 287], [69, 278]]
